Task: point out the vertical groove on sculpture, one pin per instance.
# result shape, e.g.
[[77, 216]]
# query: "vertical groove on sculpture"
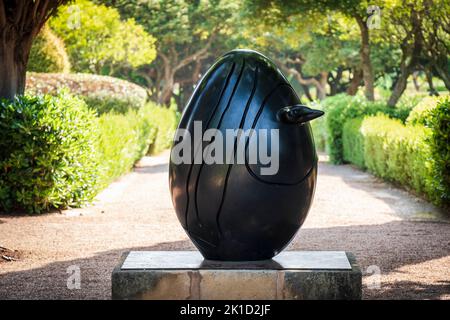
[[236, 85], [224, 88], [241, 124]]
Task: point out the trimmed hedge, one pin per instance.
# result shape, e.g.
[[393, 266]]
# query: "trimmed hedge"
[[47, 153], [438, 120], [318, 127], [124, 139], [339, 109], [416, 155], [420, 114], [56, 153], [166, 121], [342, 107], [353, 142], [104, 93], [48, 53], [398, 153]]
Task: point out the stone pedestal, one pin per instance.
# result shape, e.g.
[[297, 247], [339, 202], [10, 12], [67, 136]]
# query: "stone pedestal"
[[186, 275]]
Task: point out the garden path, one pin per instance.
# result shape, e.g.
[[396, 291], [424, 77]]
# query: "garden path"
[[388, 229]]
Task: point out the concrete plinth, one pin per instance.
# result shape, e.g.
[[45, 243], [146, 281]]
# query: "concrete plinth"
[[186, 275]]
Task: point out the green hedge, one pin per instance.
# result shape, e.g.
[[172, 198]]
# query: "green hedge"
[[56, 153], [47, 153], [318, 127], [124, 139], [353, 142], [438, 121], [166, 121], [415, 154], [398, 153], [340, 108]]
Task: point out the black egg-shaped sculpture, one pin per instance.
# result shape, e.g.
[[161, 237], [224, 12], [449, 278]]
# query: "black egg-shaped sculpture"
[[231, 210]]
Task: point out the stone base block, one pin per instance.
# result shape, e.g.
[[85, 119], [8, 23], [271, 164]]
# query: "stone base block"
[[180, 275]]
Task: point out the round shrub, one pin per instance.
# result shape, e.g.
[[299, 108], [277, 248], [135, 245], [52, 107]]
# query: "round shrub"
[[47, 152], [102, 93], [48, 53]]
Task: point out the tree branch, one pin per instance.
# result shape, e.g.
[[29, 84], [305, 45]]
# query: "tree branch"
[[199, 55]]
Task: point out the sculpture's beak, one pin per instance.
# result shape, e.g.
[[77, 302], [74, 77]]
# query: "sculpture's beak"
[[298, 114]]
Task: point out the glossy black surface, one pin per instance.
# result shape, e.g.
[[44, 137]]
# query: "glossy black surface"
[[231, 211]]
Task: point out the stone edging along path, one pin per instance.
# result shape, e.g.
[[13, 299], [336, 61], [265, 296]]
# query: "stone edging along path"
[[401, 242]]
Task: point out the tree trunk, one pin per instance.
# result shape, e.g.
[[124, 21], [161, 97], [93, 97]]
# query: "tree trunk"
[[355, 82], [307, 93], [429, 75], [167, 89], [13, 63], [443, 74], [366, 64], [410, 53], [168, 81], [321, 85], [415, 76], [399, 87]]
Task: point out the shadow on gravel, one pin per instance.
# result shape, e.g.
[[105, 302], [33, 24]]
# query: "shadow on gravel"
[[387, 246]]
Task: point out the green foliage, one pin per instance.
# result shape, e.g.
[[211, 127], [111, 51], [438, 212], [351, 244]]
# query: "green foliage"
[[124, 139], [48, 53], [439, 140], [47, 152], [398, 153], [339, 109], [416, 155], [342, 107], [99, 41], [166, 121], [55, 152], [420, 113], [102, 93], [353, 142], [318, 127]]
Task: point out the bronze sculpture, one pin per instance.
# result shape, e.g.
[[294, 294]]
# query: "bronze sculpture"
[[232, 211]]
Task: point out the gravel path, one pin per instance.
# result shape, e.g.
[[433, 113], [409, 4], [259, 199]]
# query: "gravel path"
[[387, 229]]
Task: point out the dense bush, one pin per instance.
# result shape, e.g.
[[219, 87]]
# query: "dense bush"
[[353, 142], [318, 127], [47, 152], [438, 121], [398, 153], [124, 139], [55, 152], [105, 93], [341, 108], [415, 154], [420, 113], [166, 121], [48, 53]]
